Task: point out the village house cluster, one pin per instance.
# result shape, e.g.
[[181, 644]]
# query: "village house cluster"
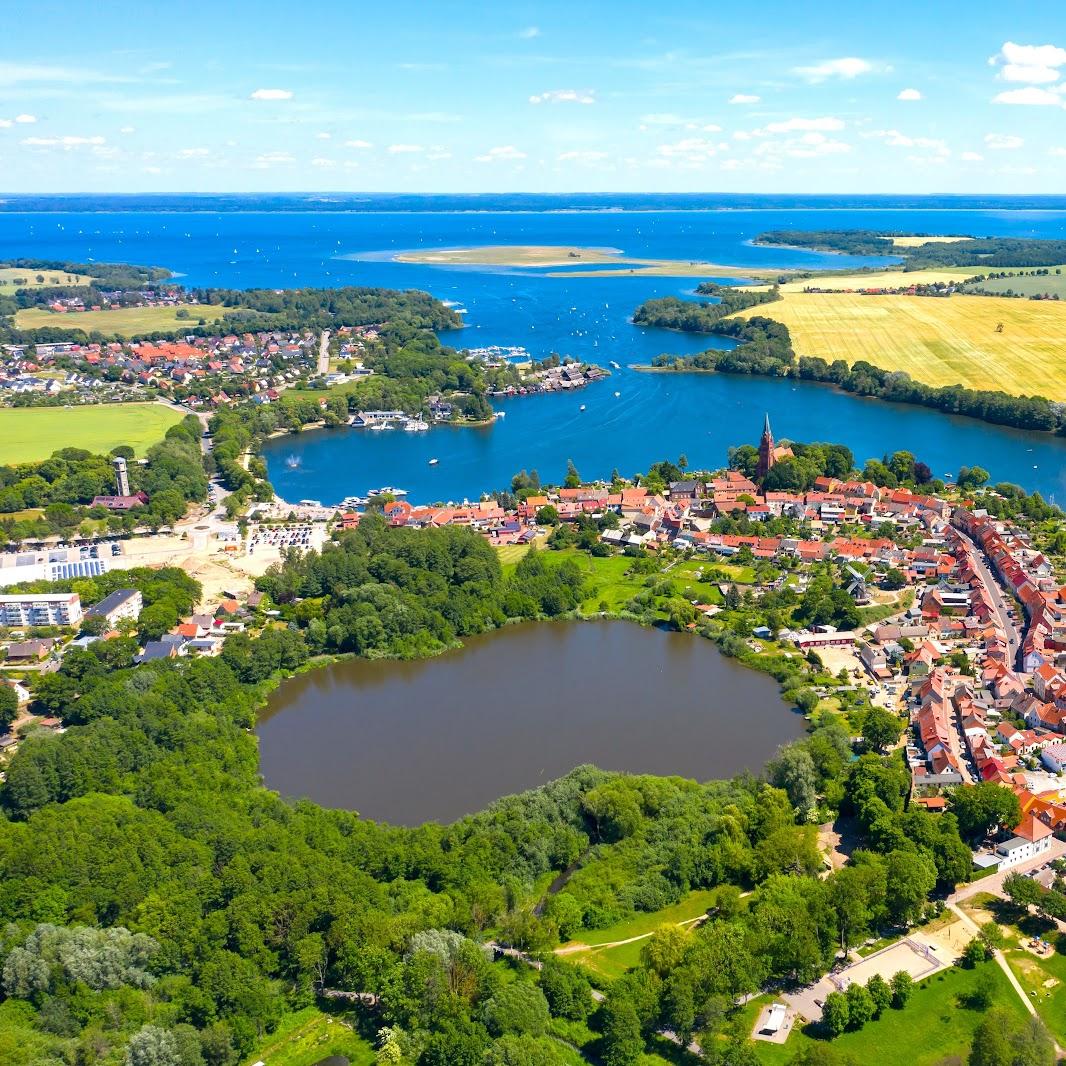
[[257, 364]]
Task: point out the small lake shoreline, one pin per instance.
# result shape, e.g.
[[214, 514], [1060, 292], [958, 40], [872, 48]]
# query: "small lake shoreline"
[[434, 739]]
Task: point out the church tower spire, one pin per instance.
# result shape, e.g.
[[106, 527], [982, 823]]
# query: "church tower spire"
[[766, 450]]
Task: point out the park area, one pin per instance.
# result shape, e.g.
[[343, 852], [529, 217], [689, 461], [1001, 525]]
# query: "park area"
[[122, 321], [30, 434], [13, 279], [981, 342]]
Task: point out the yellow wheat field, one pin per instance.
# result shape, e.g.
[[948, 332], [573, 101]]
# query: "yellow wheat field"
[[939, 341]]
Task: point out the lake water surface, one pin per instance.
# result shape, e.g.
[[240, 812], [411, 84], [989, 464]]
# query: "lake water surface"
[[346, 240], [408, 742]]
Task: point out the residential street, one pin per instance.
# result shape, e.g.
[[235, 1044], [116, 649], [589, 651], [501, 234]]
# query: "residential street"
[[999, 600]]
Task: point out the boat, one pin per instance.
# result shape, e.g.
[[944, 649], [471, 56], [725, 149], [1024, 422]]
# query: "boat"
[[433, 462], [616, 366], [617, 394], [415, 425], [379, 426], [581, 408], [292, 462]]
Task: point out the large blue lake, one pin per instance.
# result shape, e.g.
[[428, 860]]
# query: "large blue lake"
[[275, 241]]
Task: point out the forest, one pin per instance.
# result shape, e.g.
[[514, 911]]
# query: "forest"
[[966, 251], [161, 908]]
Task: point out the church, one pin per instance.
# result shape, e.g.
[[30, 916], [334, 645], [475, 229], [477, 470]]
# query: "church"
[[768, 453]]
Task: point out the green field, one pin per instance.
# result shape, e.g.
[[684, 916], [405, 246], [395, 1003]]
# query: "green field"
[[934, 1028], [1029, 285], [11, 276], [308, 1036], [121, 321], [29, 434]]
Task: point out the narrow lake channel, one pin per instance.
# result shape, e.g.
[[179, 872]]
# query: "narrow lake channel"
[[439, 738]]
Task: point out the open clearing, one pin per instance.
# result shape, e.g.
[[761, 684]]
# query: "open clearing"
[[557, 255], [310, 1036], [122, 321], [29, 434], [11, 276], [938, 341], [935, 1027], [912, 241], [1028, 284], [883, 279]]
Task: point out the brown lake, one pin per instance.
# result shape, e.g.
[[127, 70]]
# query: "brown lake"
[[409, 742]]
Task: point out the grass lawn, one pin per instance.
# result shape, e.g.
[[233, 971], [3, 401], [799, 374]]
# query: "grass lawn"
[[310, 1035], [122, 321], [9, 276], [935, 1026], [937, 341], [29, 434], [693, 905]]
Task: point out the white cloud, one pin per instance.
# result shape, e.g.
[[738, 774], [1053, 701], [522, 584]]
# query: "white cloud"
[[1001, 141], [669, 119], [1036, 64], [909, 94], [152, 170], [271, 94], [895, 139], [1030, 96], [810, 146], [5, 123], [323, 136], [405, 149], [358, 144], [193, 153], [26, 119], [744, 98], [62, 142], [847, 67], [825, 124], [273, 159], [502, 153], [1057, 151], [692, 151], [438, 152], [529, 33], [128, 129], [564, 96], [584, 157], [21, 73], [972, 157], [322, 163]]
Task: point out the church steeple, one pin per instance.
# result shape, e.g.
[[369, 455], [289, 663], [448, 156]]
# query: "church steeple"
[[766, 450]]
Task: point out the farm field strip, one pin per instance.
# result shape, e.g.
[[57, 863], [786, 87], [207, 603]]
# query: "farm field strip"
[[981, 342]]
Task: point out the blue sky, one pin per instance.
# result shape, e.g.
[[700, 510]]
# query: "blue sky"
[[450, 97]]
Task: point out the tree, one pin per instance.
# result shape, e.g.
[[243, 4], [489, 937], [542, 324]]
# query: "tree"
[[860, 1006], [880, 993], [152, 1046], [573, 478], [793, 770], [981, 807], [524, 1050], [9, 706], [880, 729], [976, 951], [911, 877], [999, 1040], [1022, 891], [623, 1044], [665, 949], [517, 1008], [566, 988], [835, 1013], [992, 936], [902, 986]]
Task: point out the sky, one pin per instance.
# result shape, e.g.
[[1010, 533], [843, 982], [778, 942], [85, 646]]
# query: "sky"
[[325, 95]]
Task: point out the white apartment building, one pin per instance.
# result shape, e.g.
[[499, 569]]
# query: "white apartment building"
[[38, 609]]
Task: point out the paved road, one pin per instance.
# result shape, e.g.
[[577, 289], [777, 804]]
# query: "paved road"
[[994, 882], [999, 600]]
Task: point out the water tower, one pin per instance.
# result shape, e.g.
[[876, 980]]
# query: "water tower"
[[122, 476]]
